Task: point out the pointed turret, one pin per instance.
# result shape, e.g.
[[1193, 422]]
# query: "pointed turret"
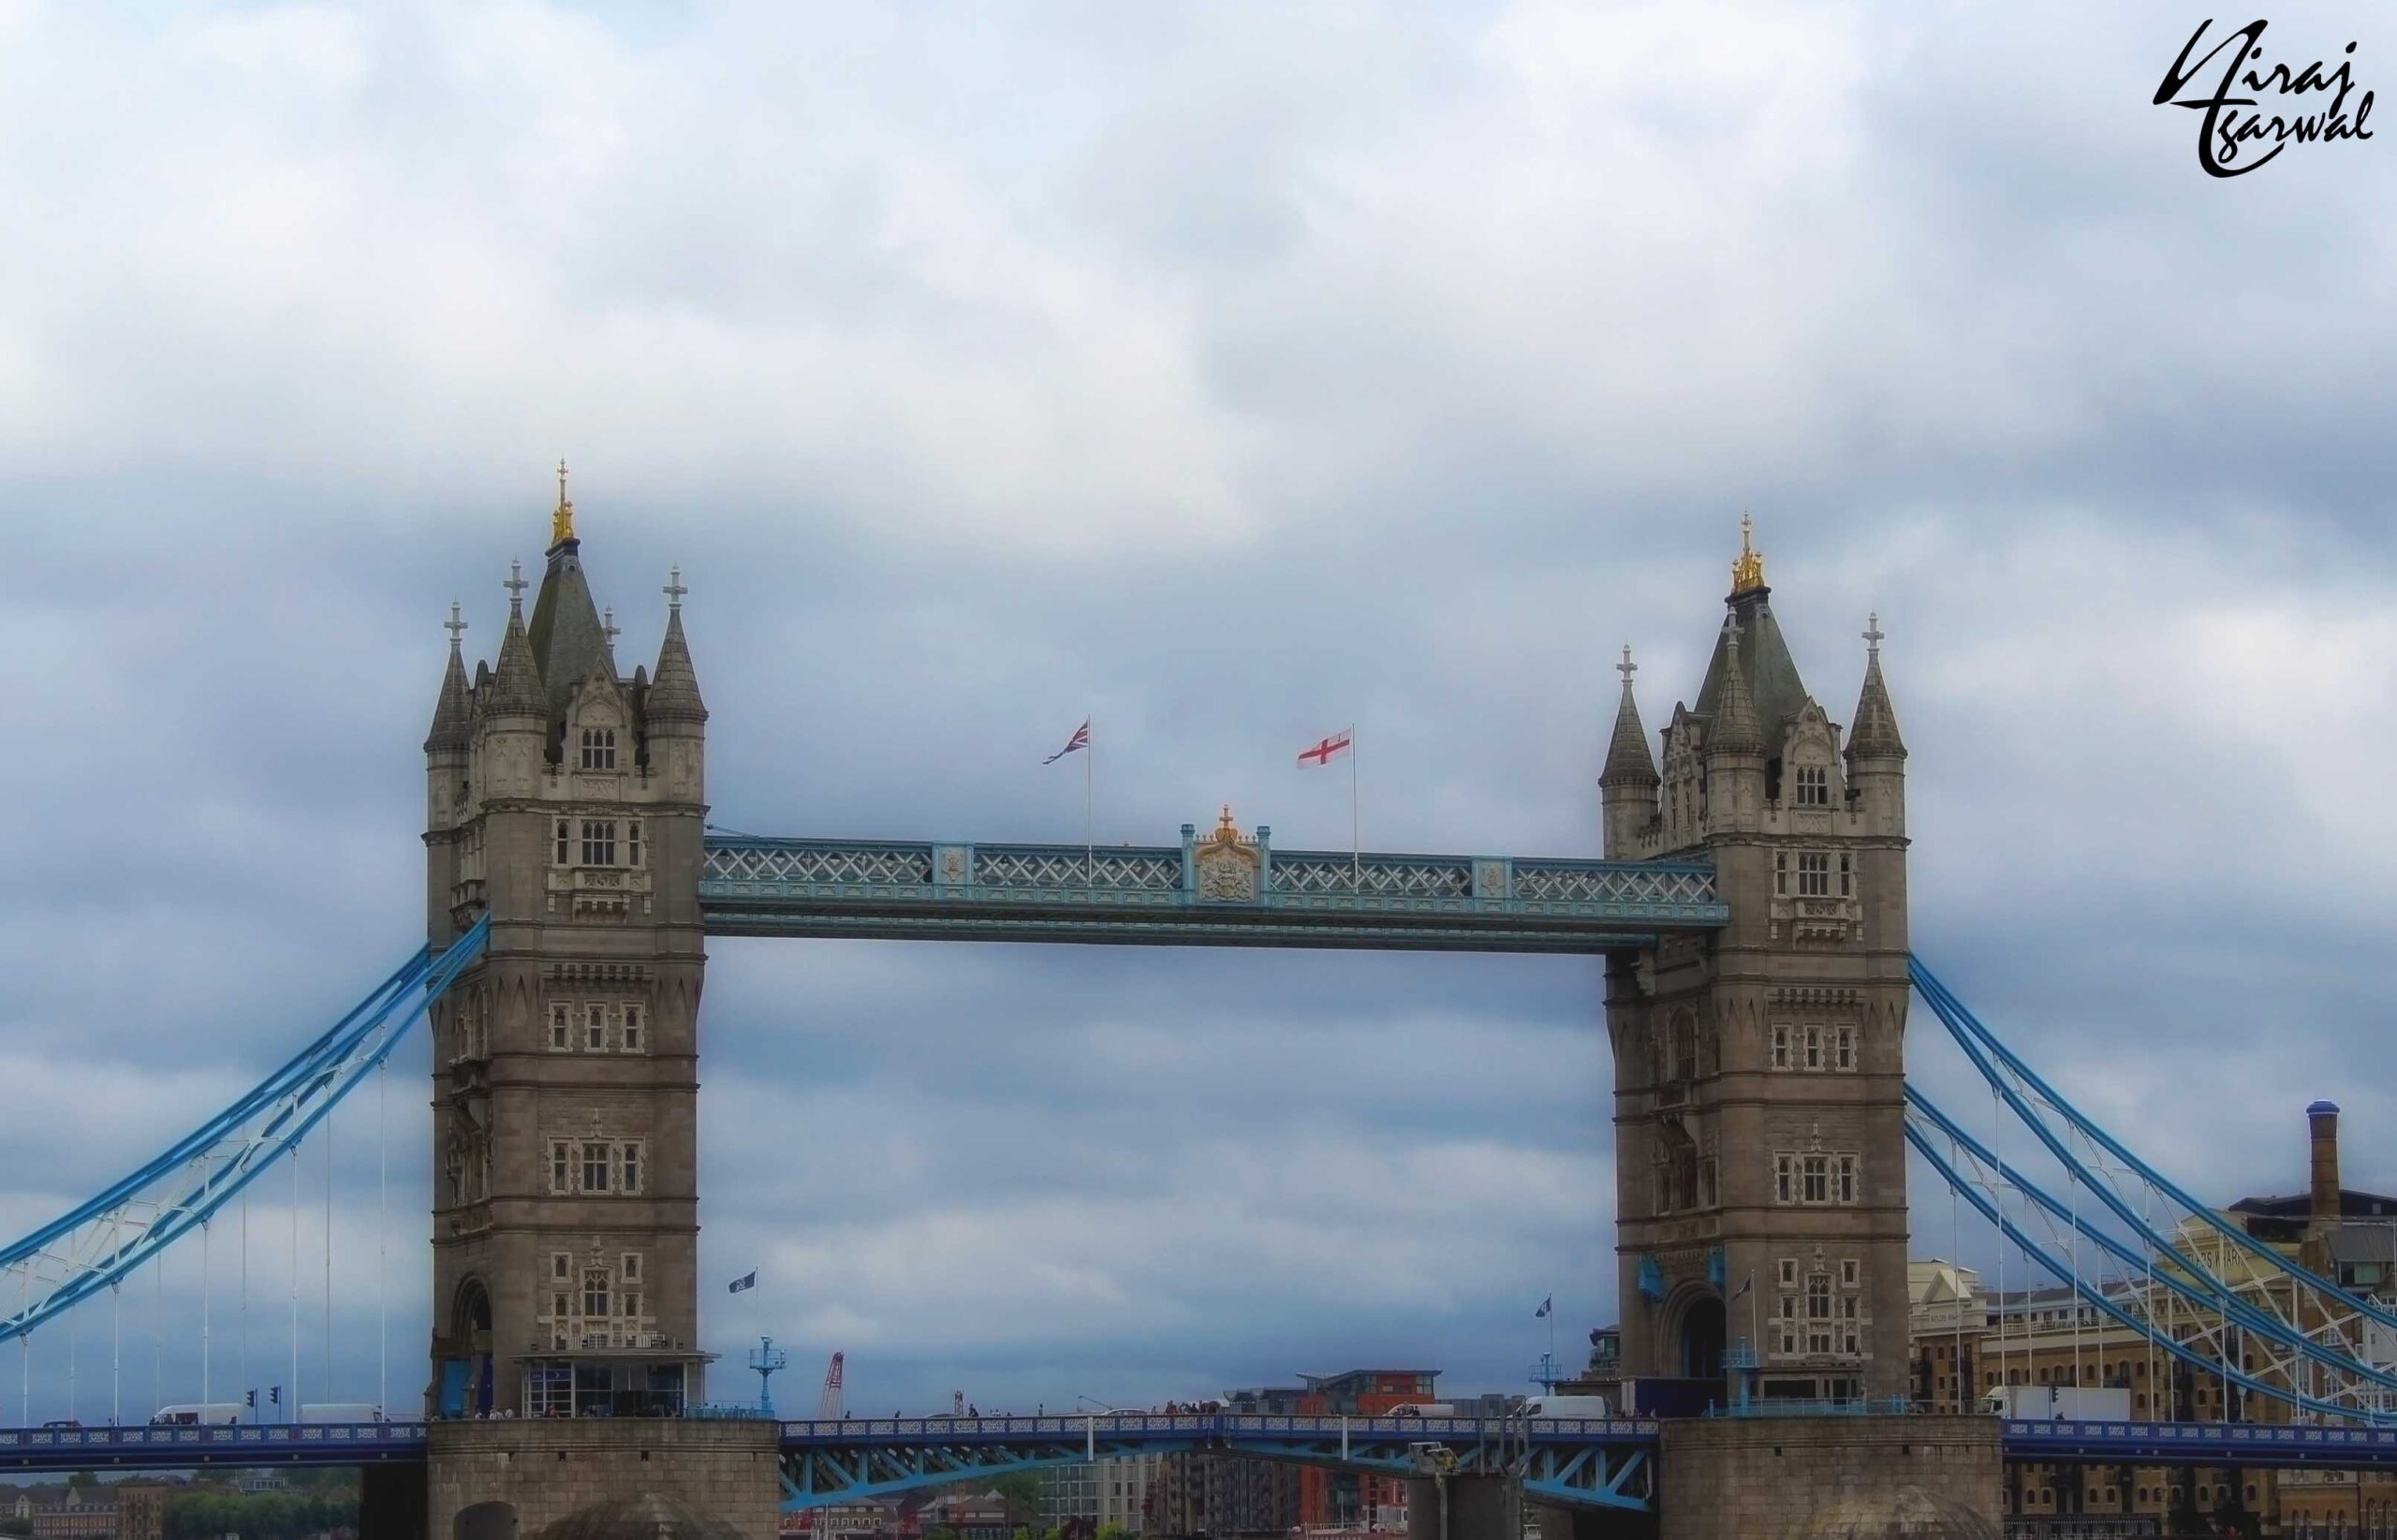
[[515, 683], [674, 695], [453, 714], [571, 642], [1734, 728], [1775, 692], [1875, 736], [1627, 785], [1628, 761]]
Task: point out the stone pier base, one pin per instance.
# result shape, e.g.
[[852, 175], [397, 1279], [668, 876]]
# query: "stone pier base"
[[1480, 1507], [1831, 1478], [509, 1480]]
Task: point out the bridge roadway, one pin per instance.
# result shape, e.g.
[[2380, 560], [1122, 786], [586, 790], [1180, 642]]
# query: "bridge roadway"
[[1570, 1462]]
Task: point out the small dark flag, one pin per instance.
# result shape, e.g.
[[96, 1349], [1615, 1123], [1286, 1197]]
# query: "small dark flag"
[[748, 1283], [1545, 1306]]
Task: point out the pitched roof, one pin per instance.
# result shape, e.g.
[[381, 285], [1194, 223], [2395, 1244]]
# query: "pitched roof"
[[1774, 688], [1628, 761], [674, 694], [1734, 726], [1875, 736], [515, 683], [453, 716], [568, 642]]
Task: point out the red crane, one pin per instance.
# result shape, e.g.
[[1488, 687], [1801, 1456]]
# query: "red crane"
[[828, 1406]]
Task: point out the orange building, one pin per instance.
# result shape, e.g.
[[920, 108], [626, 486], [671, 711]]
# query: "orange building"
[[1349, 1499]]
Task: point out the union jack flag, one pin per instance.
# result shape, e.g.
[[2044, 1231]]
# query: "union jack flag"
[[1079, 740]]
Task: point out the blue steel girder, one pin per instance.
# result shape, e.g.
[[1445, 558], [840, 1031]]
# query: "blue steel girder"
[[2330, 1447], [1576, 1462], [54, 1449], [1219, 892]]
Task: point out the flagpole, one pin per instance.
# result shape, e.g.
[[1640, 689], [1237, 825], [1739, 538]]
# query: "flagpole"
[[1357, 863], [1089, 778]]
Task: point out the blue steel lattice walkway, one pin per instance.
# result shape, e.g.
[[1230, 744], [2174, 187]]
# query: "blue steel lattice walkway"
[[1593, 1462], [1222, 889]]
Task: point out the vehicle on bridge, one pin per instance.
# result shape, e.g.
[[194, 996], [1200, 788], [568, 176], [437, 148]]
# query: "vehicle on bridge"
[[1567, 1406], [2058, 1404], [221, 1414]]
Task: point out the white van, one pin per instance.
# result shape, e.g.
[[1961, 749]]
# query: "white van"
[[218, 1414], [1567, 1406], [341, 1411]]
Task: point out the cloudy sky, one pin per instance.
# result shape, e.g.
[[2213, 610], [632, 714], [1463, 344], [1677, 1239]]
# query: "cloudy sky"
[[1230, 373]]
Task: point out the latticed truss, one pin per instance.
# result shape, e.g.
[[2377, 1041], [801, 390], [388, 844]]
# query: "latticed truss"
[[97, 1243], [1591, 1462], [1226, 892], [2145, 1255]]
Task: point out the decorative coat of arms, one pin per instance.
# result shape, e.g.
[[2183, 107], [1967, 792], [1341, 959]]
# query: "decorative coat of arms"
[[1227, 866]]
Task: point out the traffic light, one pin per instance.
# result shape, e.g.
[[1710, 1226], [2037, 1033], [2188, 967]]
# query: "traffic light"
[[249, 1397], [274, 1395]]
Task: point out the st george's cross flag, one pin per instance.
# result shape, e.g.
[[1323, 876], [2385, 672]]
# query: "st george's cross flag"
[[1330, 748], [749, 1282], [1079, 740]]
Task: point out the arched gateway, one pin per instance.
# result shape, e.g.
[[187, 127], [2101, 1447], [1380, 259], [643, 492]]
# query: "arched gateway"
[[1751, 906]]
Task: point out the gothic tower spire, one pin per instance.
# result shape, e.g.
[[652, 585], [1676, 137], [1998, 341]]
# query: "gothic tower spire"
[[516, 683], [453, 715], [1875, 733]]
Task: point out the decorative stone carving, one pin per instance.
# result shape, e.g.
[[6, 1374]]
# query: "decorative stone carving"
[[1228, 868]]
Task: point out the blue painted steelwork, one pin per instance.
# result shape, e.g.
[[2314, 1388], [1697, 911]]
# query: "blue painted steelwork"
[[1975, 1037], [99, 1241], [2233, 1444], [1596, 1463], [2062, 1269], [2211, 1295], [1166, 895], [185, 1448]]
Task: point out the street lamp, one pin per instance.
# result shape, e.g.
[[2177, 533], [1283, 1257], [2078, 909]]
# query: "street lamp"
[[1090, 1425]]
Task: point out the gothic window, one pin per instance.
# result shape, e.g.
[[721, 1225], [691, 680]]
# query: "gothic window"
[[1814, 1047], [1818, 1314], [595, 1028], [632, 844], [632, 1266], [1816, 1174], [1781, 874], [1789, 1273], [561, 1027], [632, 1307], [1850, 1273], [1846, 878], [1706, 1182], [561, 1167], [1851, 1337], [632, 1169], [1845, 1056], [1785, 1178], [1844, 1179], [632, 1028], [1781, 1056], [566, 841], [594, 1293], [1814, 786], [595, 1168], [558, 1264], [1684, 1046], [598, 748], [598, 842], [1813, 875]]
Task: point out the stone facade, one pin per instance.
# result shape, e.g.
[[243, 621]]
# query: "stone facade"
[[511, 1479], [568, 802], [1830, 1478], [1759, 1112]]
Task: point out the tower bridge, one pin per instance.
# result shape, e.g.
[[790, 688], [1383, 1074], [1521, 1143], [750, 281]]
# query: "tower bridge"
[[1749, 903]]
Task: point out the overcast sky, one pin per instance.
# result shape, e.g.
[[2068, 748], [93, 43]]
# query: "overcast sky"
[[1230, 373]]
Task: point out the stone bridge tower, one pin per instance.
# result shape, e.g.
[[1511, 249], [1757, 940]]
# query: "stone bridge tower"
[[568, 801], [1760, 1104]]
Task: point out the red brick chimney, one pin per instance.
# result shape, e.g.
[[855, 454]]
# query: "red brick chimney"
[[2322, 1118]]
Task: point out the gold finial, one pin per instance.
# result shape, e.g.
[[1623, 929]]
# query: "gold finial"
[[1228, 832], [562, 520], [1747, 568]]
